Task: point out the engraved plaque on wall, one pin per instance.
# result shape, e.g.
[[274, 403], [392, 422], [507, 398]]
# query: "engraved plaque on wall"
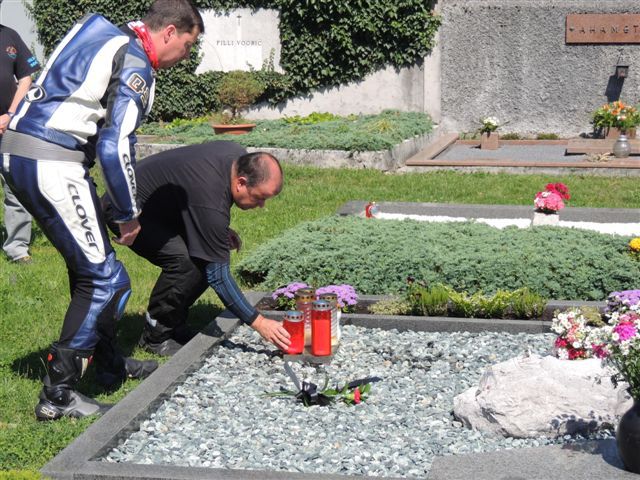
[[603, 28], [241, 39]]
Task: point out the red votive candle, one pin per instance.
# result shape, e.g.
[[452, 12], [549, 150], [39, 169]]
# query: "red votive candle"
[[321, 328], [294, 324]]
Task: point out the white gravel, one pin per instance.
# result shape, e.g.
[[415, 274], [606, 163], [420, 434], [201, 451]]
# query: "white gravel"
[[218, 417]]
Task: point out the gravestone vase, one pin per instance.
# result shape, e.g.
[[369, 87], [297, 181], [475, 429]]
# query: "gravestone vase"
[[614, 132], [541, 219], [628, 438], [489, 141], [622, 147]]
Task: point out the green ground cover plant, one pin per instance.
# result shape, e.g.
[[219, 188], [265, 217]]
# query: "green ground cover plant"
[[377, 256], [442, 300], [314, 132], [33, 298]]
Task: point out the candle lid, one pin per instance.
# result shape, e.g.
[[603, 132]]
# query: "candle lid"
[[321, 305], [294, 316], [306, 293]]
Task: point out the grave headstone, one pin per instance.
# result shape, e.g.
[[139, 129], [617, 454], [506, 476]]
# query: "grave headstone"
[[241, 39]]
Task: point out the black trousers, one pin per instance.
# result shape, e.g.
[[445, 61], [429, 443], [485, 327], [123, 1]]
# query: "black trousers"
[[182, 279]]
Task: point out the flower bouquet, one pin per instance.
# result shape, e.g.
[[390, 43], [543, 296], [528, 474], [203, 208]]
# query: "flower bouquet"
[[616, 115], [488, 125], [550, 201], [618, 345], [583, 333], [575, 332]]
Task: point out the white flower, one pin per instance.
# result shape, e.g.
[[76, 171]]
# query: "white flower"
[[492, 121]]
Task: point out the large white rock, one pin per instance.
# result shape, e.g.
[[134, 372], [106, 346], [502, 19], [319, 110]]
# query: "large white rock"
[[530, 396]]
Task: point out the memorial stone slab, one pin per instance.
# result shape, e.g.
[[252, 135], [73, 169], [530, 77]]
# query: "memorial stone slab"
[[241, 39]]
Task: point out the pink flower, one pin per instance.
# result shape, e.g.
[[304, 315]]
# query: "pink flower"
[[356, 395], [548, 201], [625, 330]]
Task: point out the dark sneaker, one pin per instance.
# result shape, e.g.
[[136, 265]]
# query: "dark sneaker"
[[79, 406], [168, 348], [112, 380]]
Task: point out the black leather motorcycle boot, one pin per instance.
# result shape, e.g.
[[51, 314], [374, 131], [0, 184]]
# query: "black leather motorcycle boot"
[[58, 398]]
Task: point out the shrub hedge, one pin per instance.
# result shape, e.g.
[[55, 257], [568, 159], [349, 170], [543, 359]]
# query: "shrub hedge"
[[376, 257], [353, 133]]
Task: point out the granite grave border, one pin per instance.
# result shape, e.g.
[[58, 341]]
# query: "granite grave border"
[[592, 459]]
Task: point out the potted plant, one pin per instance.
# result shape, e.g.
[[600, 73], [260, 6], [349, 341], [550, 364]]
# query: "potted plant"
[[237, 91], [488, 137], [616, 118]]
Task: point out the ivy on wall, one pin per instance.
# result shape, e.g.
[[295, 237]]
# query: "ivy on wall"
[[325, 43]]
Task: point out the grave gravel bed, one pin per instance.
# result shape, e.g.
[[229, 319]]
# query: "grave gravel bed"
[[219, 417]]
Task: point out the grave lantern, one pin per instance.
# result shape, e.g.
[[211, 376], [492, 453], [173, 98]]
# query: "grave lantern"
[[622, 68]]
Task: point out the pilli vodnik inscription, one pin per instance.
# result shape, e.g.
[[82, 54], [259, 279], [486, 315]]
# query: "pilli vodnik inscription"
[[603, 28]]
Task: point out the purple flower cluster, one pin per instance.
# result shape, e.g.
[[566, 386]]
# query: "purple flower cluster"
[[347, 296], [284, 296], [621, 301], [288, 291]]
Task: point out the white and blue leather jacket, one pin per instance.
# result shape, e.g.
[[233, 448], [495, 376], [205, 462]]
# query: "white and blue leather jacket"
[[91, 96]]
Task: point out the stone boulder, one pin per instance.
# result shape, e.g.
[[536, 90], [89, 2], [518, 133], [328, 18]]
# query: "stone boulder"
[[532, 396]]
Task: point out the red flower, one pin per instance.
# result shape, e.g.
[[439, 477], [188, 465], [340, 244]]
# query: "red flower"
[[577, 353], [559, 188], [561, 342], [356, 395]]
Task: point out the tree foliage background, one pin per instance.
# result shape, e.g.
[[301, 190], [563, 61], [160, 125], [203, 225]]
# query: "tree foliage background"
[[325, 43]]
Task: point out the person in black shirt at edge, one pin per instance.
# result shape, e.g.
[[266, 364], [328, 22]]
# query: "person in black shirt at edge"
[[185, 196], [17, 64]]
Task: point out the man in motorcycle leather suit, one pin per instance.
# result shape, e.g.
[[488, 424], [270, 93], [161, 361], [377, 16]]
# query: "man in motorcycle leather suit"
[[90, 98]]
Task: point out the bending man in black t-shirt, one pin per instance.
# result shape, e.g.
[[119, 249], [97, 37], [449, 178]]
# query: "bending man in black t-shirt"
[[186, 195]]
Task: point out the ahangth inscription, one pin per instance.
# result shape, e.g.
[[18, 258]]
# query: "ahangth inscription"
[[603, 28]]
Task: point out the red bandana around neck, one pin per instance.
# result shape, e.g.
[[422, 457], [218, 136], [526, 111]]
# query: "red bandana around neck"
[[143, 34]]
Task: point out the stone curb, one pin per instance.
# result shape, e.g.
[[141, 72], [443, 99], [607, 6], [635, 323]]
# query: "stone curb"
[[384, 160], [80, 460]]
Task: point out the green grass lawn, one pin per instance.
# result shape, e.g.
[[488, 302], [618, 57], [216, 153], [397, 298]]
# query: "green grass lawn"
[[33, 298]]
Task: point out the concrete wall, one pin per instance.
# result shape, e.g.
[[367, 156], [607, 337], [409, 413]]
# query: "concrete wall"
[[508, 58], [388, 88]]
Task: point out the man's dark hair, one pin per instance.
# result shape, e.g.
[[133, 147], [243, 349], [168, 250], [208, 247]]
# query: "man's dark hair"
[[180, 13], [255, 167]]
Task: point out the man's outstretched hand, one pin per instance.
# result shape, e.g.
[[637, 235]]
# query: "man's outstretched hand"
[[128, 232], [272, 331]]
